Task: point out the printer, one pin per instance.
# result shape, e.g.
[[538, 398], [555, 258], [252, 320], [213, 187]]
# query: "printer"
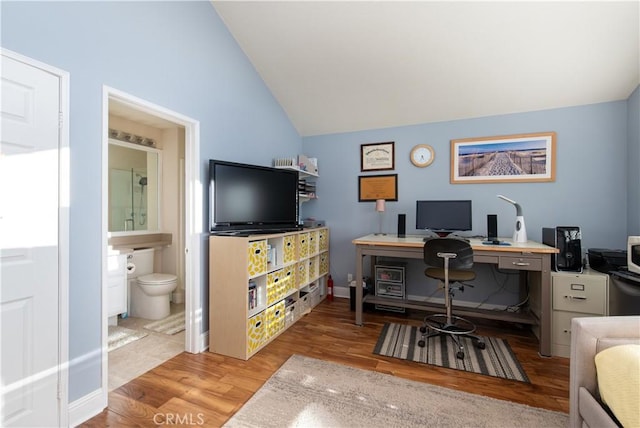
[[605, 260]]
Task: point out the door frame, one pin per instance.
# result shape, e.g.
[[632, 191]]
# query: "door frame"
[[63, 227], [193, 220]]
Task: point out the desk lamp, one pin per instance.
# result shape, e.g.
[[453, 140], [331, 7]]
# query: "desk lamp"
[[520, 233], [380, 211]]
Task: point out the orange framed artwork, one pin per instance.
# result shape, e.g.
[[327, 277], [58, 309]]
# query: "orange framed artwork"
[[374, 187]]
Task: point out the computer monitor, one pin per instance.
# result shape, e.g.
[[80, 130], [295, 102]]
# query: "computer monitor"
[[443, 216]]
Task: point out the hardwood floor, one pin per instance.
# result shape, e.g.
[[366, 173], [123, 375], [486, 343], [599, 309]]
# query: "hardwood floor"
[[207, 389]]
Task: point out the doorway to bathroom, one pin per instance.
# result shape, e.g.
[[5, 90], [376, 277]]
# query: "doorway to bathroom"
[[151, 200]]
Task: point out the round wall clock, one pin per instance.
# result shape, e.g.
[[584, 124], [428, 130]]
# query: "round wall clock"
[[422, 155]]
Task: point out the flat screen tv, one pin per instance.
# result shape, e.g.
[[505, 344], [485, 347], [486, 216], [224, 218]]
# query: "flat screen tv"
[[443, 216], [252, 199]]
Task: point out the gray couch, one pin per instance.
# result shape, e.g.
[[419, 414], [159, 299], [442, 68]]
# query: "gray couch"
[[588, 337]]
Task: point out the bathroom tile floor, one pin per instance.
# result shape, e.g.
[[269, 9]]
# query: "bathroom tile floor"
[[138, 357]]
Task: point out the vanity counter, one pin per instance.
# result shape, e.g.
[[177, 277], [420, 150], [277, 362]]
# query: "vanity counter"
[[126, 244]]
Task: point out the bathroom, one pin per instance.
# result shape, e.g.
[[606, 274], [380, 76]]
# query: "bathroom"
[[146, 225]]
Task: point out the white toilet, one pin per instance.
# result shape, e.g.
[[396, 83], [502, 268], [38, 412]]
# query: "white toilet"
[[149, 291]]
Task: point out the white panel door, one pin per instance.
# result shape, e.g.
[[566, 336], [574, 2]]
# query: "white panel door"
[[29, 280]]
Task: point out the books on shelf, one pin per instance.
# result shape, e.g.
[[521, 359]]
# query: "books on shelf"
[[253, 295], [272, 255], [300, 162]]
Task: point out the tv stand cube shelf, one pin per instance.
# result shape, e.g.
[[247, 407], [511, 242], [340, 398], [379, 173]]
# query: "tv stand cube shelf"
[[259, 285]]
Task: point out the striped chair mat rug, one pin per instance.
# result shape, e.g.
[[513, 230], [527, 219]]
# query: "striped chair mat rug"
[[497, 359]]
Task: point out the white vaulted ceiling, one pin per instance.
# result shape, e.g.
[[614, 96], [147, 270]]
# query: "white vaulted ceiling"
[[337, 66]]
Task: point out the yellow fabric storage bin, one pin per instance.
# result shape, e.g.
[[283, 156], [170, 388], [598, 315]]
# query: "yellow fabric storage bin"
[[314, 239], [323, 239], [324, 264], [289, 245], [255, 332], [257, 258], [301, 273], [288, 280], [303, 245], [313, 267], [274, 286], [275, 319]]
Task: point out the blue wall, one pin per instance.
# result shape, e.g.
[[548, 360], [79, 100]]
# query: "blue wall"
[[633, 163], [178, 55], [590, 189]]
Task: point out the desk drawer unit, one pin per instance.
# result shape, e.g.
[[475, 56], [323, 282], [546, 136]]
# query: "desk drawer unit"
[[562, 331], [520, 263], [389, 273], [579, 293], [390, 283], [389, 289], [575, 295]]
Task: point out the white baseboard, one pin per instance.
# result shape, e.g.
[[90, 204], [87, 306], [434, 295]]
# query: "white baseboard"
[[341, 292], [86, 407], [204, 341]]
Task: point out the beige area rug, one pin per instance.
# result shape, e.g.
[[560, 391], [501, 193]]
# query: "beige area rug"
[[120, 336], [170, 325], [306, 392], [497, 359]]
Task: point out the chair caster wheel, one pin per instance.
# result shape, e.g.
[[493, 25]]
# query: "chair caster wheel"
[[423, 329], [481, 345], [421, 343], [460, 355]]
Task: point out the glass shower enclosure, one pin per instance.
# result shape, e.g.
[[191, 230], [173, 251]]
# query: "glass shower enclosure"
[[128, 202], [133, 189]]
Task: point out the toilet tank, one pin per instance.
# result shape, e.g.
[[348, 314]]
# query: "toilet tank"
[[143, 261]]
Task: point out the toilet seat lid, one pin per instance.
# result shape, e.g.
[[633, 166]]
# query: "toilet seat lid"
[[157, 278]]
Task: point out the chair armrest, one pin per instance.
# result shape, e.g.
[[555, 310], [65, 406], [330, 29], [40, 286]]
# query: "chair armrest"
[[593, 412], [585, 335]]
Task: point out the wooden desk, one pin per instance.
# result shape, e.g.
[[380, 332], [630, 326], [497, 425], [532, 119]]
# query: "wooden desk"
[[532, 259]]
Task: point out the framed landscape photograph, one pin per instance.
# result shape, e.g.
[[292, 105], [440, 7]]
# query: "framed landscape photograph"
[[504, 159], [377, 156], [374, 187]]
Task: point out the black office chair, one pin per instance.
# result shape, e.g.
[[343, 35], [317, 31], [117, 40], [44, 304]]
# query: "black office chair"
[[450, 261]]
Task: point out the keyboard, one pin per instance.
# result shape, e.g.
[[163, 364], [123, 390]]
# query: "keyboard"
[[503, 243], [427, 238]]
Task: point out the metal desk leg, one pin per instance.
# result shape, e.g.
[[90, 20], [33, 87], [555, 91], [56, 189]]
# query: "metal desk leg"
[[545, 306], [358, 279]]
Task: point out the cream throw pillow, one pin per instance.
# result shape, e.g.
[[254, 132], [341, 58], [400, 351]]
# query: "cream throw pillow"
[[618, 370]]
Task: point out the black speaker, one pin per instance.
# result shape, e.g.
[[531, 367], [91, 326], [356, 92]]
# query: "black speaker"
[[492, 227], [402, 225], [568, 240]]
